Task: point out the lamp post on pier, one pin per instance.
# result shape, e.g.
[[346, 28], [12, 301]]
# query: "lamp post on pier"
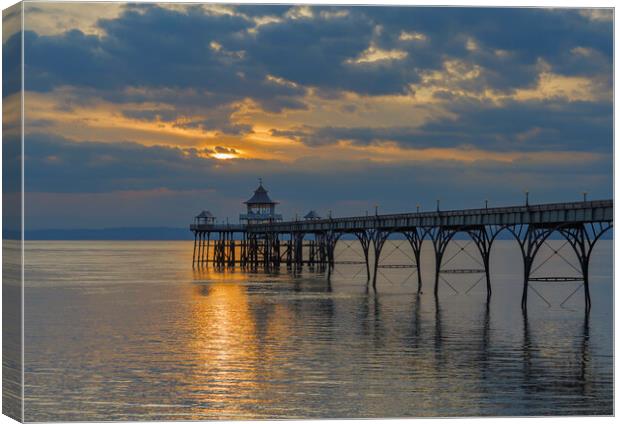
[[527, 198]]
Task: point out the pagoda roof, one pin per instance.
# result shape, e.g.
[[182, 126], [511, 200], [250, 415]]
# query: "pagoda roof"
[[205, 214], [260, 197]]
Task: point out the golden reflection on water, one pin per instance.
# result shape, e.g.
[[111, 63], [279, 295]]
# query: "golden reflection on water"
[[229, 344], [225, 345]]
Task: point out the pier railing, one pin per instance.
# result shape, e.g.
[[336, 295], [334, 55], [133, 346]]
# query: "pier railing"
[[218, 227], [592, 211]]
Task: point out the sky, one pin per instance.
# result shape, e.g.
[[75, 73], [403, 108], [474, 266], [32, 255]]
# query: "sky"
[[146, 114]]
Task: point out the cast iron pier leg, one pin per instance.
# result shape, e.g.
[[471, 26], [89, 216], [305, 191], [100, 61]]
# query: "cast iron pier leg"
[[378, 240], [364, 240], [416, 238]]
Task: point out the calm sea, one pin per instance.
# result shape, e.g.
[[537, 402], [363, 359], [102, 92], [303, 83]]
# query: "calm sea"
[[128, 331]]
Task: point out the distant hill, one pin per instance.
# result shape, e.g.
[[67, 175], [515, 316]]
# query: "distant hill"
[[127, 233]]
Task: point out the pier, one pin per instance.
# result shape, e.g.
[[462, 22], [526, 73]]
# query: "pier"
[[264, 241]]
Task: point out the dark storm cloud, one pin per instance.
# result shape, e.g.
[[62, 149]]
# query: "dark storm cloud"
[[154, 48], [148, 46], [514, 126], [527, 126], [106, 166], [53, 162], [215, 60], [315, 51]]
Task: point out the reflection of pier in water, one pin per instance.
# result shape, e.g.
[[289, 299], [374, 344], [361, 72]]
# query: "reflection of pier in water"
[[435, 339], [312, 243]]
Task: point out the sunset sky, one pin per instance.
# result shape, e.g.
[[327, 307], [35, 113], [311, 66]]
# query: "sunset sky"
[[143, 115]]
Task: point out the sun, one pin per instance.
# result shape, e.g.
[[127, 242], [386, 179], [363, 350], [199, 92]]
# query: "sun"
[[224, 156]]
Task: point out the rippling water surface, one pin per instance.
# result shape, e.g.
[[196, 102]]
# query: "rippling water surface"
[[127, 330]]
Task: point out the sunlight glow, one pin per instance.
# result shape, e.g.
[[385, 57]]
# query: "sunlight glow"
[[224, 156]]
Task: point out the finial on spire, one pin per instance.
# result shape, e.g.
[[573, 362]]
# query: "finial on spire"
[[260, 180]]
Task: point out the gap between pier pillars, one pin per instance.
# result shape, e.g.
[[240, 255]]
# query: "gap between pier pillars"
[[483, 237]]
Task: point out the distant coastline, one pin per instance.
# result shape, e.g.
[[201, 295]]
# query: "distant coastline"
[[121, 233]]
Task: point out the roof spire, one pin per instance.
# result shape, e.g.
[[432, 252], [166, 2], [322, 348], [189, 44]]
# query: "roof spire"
[[260, 181], [260, 195]]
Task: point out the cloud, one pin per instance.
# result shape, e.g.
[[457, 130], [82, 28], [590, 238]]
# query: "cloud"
[[215, 119], [582, 126], [412, 36], [55, 164], [605, 15], [226, 55], [222, 149], [154, 48], [511, 126], [127, 181], [294, 48], [374, 54], [11, 60], [56, 18]]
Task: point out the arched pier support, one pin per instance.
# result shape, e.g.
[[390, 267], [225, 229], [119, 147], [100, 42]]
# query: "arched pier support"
[[330, 238], [483, 237], [582, 238], [530, 238], [365, 238], [440, 236], [378, 238], [415, 238]]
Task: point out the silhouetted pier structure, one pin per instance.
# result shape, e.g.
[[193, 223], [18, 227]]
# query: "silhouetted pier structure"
[[265, 241]]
